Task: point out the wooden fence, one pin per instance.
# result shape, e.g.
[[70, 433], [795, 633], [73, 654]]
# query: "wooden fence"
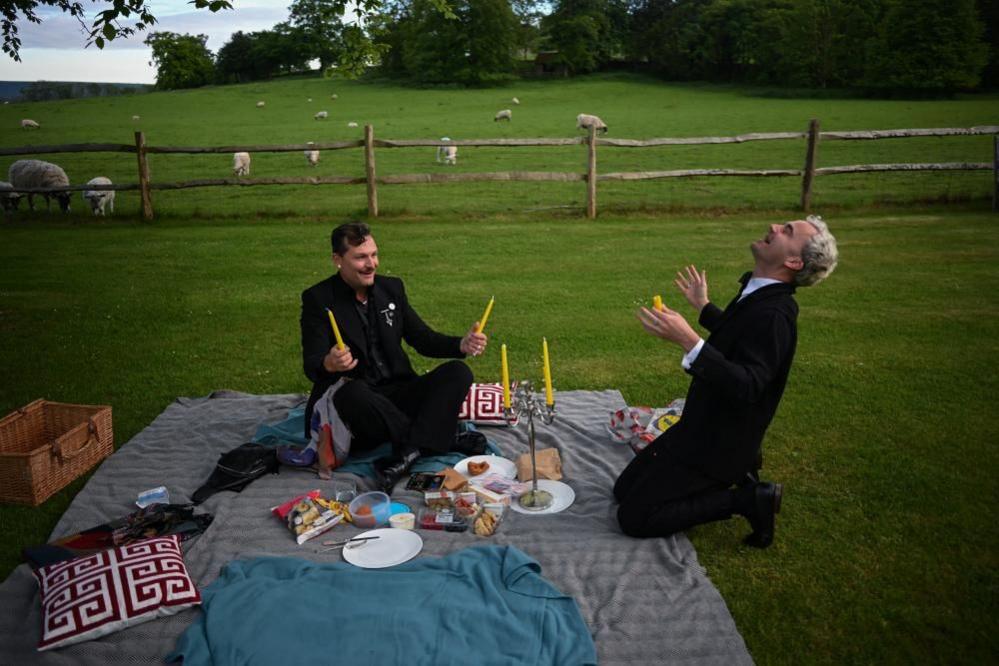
[[807, 173]]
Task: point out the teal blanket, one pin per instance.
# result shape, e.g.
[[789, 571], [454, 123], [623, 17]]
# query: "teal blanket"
[[481, 605]]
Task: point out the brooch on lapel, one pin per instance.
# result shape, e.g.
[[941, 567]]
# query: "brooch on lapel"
[[389, 313]]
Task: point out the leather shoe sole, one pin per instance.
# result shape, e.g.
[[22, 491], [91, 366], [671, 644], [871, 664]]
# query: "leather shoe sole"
[[764, 519]]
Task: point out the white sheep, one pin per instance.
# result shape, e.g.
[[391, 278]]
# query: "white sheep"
[[135, 117], [334, 96], [310, 99], [9, 198], [27, 174], [98, 199], [260, 104], [447, 154], [241, 164], [321, 115], [516, 101], [505, 114], [28, 123], [311, 156], [586, 121], [351, 124]]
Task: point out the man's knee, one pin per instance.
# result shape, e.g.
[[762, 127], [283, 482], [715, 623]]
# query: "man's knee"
[[632, 521], [457, 372], [351, 396]]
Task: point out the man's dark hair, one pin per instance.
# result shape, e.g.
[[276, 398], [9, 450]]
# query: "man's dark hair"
[[353, 233]]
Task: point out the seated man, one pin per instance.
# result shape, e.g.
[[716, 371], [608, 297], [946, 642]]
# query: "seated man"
[[686, 476], [384, 399]]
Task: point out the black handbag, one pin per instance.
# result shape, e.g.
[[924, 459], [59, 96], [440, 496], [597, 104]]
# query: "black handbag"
[[236, 469]]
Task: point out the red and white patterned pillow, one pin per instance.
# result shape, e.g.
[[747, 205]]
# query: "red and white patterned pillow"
[[483, 405], [93, 596]]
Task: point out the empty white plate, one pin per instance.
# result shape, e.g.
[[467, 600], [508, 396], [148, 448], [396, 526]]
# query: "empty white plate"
[[497, 465], [392, 548], [562, 498]]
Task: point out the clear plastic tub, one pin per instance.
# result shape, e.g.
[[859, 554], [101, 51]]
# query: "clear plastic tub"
[[371, 509]]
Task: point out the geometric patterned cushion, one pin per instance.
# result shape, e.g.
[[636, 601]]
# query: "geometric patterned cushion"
[[99, 594], [483, 405]]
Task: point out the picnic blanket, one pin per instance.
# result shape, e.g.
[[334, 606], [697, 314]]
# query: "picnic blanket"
[[645, 601]]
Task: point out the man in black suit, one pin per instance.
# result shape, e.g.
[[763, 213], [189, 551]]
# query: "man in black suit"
[[384, 399], [704, 468]]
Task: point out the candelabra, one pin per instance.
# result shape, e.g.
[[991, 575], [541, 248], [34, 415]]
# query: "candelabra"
[[524, 403]]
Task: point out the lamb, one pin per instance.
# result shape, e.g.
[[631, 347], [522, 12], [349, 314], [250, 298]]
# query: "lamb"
[[447, 154], [505, 114], [321, 115], [99, 198], [135, 117], [586, 121], [9, 198], [28, 123], [334, 96], [312, 156], [516, 101], [241, 164], [260, 104], [351, 124], [29, 174], [310, 99]]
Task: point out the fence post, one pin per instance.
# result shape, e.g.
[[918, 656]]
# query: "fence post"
[[369, 170], [995, 174], [591, 174], [144, 194], [808, 175]]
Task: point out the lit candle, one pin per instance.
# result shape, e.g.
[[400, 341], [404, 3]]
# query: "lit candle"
[[549, 398], [506, 378], [657, 302], [336, 331], [485, 315]]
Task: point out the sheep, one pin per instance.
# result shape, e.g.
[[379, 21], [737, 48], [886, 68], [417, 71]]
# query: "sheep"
[[29, 174], [334, 96], [321, 115], [586, 121], [135, 117], [260, 104], [311, 156], [8, 197], [310, 99], [241, 164], [28, 123], [516, 101], [447, 154], [351, 124], [98, 199], [505, 114]]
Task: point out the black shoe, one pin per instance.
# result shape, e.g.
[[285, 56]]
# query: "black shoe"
[[763, 516], [390, 470]]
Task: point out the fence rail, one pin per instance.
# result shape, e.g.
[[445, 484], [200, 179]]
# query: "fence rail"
[[813, 137]]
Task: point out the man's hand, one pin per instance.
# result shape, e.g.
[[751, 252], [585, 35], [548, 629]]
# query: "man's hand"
[[474, 343], [339, 360], [669, 325], [693, 286]]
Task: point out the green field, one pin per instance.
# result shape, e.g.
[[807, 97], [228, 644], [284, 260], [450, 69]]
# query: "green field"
[[885, 549]]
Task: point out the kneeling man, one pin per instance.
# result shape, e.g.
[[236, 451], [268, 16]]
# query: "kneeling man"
[[384, 399], [686, 476]]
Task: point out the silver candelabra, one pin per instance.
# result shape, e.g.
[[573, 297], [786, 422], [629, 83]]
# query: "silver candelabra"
[[524, 403]]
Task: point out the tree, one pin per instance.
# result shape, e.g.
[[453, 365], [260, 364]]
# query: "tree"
[[261, 55], [319, 25], [182, 61], [586, 33], [105, 28]]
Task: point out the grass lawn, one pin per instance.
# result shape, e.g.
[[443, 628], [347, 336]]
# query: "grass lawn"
[[886, 549]]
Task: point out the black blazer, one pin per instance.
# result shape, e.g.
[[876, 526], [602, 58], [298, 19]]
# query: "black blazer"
[[397, 321], [738, 380]]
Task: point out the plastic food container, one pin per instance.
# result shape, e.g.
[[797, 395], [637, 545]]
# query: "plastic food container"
[[370, 509], [403, 521]]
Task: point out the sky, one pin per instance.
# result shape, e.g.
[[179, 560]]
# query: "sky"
[[54, 50]]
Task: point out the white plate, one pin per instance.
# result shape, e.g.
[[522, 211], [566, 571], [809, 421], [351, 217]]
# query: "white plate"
[[394, 547], [562, 498], [497, 465]]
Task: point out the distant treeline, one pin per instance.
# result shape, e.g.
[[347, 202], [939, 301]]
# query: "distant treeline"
[[909, 46], [41, 91]]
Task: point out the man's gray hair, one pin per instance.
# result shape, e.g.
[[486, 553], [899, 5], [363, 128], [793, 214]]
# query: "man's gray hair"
[[819, 256]]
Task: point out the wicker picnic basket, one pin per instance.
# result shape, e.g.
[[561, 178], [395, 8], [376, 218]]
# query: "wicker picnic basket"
[[45, 445]]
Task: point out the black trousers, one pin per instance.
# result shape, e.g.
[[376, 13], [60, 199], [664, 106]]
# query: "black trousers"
[[658, 496], [421, 413]]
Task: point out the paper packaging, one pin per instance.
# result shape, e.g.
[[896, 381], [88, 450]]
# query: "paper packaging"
[[548, 461], [489, 497]]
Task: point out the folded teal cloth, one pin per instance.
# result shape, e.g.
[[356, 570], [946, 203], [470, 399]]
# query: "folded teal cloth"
[[485, 604], [289, 431]]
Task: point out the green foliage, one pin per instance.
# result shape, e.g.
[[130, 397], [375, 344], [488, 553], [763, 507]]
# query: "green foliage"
[[586, 33], [182, 61], [261, 55]]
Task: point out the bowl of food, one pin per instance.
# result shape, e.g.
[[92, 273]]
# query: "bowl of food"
[[370, 509]]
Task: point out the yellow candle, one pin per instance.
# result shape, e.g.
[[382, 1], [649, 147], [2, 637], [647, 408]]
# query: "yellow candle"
[[336, 331], [485, 315], [506, 378], [657, 302], [549, 398]]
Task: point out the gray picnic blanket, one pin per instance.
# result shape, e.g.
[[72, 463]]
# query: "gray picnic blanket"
[[646, 601]]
